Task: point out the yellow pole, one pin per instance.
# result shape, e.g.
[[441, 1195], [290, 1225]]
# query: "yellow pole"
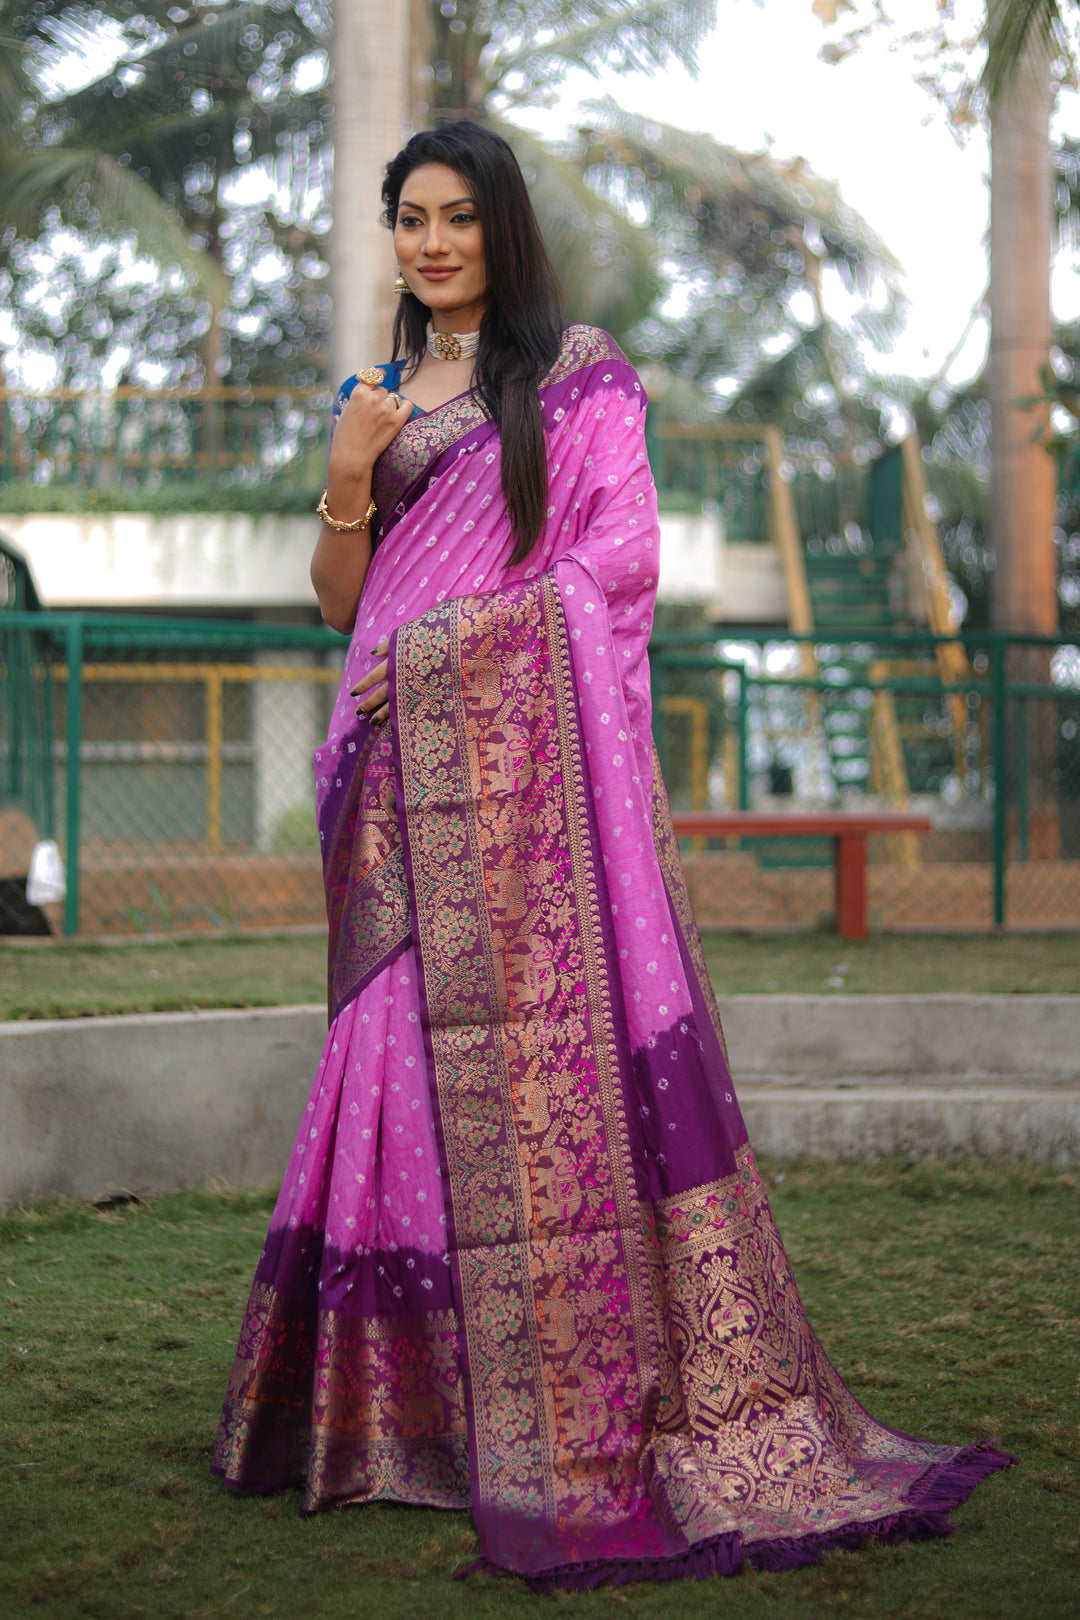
[[215, 730]]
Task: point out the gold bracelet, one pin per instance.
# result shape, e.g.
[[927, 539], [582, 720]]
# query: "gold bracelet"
[[338, 524]]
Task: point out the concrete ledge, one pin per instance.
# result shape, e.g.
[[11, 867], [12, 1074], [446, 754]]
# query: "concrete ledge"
[[165, 1100], [838, 1122], [1014, 1038], [152, 1103]]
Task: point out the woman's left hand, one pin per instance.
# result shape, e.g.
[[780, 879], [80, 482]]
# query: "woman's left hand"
[[374, 690]]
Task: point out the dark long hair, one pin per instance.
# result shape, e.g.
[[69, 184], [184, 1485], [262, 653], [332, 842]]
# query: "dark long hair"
[[521, 328]]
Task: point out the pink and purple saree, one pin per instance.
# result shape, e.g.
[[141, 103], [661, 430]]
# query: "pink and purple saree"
[[522, 1260]]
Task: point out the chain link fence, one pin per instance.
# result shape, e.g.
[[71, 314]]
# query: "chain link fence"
[[171, 762], [980, 733]]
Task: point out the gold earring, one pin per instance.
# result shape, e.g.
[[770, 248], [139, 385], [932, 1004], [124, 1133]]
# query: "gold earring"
[[401, 285]]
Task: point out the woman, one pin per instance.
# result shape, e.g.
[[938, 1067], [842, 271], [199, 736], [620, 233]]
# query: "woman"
[[522, 1260]]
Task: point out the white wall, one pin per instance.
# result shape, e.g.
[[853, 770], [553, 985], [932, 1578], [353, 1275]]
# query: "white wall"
[[133, 560], [130, 560], [738, 582]]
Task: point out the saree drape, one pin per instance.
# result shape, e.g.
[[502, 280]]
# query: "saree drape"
[[522, 1259]]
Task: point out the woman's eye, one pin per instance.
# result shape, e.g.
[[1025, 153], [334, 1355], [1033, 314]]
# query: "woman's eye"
[[408, 219], [464, 219]]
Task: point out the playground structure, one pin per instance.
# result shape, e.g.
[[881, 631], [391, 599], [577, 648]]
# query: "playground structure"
[[872, 699]]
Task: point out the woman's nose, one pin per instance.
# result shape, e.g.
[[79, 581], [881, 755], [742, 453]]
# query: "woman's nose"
[[433, 242]]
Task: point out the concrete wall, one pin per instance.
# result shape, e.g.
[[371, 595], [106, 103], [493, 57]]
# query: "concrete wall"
[[162, 1101], [152, 1103], [131, 560], [240, 563], [739, 582]]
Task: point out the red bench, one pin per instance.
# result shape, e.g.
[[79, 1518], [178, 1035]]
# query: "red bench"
[[849, 831]]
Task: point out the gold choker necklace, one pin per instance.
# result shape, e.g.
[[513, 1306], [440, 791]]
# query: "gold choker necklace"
[[452, 345]]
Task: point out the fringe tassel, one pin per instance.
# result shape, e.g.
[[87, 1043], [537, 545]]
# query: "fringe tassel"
[[933, 1498], [722, 1555]]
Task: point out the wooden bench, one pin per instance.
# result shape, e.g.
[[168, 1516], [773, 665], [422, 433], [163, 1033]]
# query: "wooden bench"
[[849, 831]]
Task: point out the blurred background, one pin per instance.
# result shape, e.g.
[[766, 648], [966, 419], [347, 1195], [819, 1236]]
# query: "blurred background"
[[828, 241]]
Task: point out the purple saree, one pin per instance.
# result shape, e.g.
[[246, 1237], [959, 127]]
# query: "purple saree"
[[522, 1259]]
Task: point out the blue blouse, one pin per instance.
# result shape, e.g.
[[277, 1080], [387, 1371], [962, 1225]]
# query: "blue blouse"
[[391, 381]]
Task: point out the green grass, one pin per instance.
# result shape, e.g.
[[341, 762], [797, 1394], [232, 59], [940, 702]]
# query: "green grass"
[[60, 980], [894, 964], [57, 980], [948, 1295]]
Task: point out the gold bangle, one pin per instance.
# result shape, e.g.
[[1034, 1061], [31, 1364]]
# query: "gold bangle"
[[338, 523]]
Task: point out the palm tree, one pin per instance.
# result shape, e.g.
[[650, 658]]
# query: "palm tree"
[[1018, 81], [143, 148], [752, 237], [76, 151], [371, 114], [621, 204]]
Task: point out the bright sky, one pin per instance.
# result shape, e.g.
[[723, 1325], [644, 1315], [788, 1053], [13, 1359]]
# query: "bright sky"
[[864, 123]]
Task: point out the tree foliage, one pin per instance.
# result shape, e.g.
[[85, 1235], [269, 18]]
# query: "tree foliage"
[[710, 264], [148, 154]]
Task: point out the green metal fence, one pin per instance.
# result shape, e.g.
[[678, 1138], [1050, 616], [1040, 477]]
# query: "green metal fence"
[[142, 438], [170, 759], [989, 750]]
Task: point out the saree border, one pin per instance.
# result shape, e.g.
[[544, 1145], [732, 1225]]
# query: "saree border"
[[367, 900], [550, 1506]]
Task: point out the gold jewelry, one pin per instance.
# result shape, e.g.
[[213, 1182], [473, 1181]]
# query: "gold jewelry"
[[372, 375], [401, 286], [338, 523], [452, 345]]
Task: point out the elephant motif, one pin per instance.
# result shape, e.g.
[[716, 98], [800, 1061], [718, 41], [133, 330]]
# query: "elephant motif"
[[482, 681]]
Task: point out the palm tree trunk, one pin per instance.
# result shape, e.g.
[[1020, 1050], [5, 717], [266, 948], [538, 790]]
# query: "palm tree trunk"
[[371, 115], [1023, 595], [1024, 589]]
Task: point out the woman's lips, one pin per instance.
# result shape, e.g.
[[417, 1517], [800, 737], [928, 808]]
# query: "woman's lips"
[[438, 275]]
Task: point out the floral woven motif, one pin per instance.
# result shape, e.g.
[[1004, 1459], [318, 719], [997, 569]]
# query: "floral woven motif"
[[363, 867], [549, 1250]]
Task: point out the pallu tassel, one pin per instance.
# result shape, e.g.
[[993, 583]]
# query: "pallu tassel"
[[933, 1498]]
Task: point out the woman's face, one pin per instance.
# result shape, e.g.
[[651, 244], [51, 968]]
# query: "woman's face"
[[440, 246]]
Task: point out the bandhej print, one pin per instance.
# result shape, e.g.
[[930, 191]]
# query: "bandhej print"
[[522, 1259]]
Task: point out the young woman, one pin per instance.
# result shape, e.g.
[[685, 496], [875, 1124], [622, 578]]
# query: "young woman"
[[522, 1260]]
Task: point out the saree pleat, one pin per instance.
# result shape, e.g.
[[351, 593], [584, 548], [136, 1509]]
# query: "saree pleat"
[[523, 1258]]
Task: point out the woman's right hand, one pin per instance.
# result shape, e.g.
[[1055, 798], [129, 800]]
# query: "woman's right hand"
[[371, 420]]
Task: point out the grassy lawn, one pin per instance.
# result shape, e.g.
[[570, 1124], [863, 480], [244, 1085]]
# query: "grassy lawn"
[[894, 964], [949, 1296], [75, 981], [58, 980]]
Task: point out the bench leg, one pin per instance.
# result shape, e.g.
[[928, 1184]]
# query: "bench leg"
[[851, 885]]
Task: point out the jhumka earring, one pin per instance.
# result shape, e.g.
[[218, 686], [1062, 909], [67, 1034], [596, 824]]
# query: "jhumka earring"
[[401, 285]]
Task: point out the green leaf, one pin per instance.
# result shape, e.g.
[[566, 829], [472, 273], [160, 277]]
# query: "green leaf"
[[623, 36], [1012, 27], [606, 265], [121, 201]]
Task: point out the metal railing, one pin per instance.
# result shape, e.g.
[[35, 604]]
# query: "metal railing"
[[138, 437], [994, 757], [183, 800], [171, 759]]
